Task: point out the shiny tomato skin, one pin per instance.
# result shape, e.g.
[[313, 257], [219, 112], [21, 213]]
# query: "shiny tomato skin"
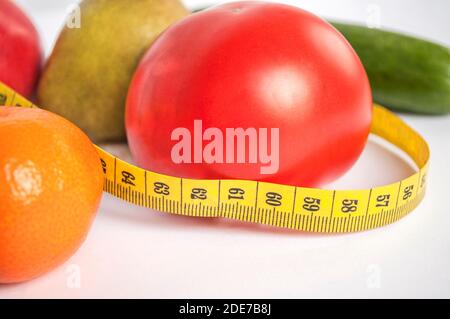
[[260, 65]]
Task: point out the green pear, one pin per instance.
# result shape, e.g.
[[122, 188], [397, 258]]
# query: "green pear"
[[87, 76]]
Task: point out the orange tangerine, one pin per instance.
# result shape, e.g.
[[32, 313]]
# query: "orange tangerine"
[[50, 188]]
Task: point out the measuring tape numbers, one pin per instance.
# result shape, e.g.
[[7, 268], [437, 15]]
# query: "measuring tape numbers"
[[300, 208]]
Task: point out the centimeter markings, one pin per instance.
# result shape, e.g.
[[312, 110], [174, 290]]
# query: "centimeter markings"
[[295, 220], [306, 209], [311, 210]]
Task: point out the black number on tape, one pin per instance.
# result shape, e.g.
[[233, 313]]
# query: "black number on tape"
[[349, 205], [199, 193], [273, 199], [161, 188], [311, 204], [383, 200], [407, 192], [103, 166], [236, 193], [128, 178]]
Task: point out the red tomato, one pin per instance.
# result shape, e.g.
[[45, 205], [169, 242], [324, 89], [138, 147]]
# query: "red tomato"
[[20, 51], [252, 65]]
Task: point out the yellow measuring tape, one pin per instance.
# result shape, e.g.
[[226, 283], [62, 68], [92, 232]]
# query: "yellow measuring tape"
[[306, 209]]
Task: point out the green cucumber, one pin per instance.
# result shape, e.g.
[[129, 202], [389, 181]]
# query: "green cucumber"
[[405, 73]]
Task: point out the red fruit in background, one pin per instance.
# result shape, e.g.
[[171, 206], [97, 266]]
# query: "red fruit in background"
[[252, 65], [20, 50]]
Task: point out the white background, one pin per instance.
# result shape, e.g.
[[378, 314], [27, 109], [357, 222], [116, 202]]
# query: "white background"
[[134, 252]]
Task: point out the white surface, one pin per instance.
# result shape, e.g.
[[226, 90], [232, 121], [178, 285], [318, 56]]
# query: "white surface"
[[134, 252]]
